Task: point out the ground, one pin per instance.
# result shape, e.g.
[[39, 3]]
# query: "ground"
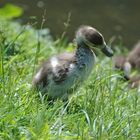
[[103, 108]]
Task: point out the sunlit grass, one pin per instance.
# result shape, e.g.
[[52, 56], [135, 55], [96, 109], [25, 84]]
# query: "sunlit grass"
[[103, 108]]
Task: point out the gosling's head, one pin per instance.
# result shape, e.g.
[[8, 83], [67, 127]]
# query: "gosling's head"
[[89, 36]]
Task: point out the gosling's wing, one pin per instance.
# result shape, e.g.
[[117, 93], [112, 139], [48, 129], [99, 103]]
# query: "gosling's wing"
[[41, 77], [63, 66], [56, 69]]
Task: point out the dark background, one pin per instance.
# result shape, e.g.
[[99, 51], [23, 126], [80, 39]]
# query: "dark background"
[[114, 18]]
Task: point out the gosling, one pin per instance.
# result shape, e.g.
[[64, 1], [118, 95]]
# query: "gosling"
[[62, 74]]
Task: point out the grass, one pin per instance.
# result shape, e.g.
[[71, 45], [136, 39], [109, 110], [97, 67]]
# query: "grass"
[[103, 108]]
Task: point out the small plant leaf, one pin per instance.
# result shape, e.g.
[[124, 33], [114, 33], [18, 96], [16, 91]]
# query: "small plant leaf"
[[10, 11]]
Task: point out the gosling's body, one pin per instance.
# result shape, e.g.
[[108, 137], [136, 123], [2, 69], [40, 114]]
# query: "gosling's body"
[[62, 74], [133, 58], [65, 74], [128, 63]]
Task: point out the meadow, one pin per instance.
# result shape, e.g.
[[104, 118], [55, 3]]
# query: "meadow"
[[104, 108]]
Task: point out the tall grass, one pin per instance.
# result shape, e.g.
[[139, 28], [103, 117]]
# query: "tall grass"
[[103, 108]]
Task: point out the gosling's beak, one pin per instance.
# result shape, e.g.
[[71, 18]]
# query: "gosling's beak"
[[107, 51]]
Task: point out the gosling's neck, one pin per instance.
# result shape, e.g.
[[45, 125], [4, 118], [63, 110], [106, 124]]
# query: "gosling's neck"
[[85, 56]]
